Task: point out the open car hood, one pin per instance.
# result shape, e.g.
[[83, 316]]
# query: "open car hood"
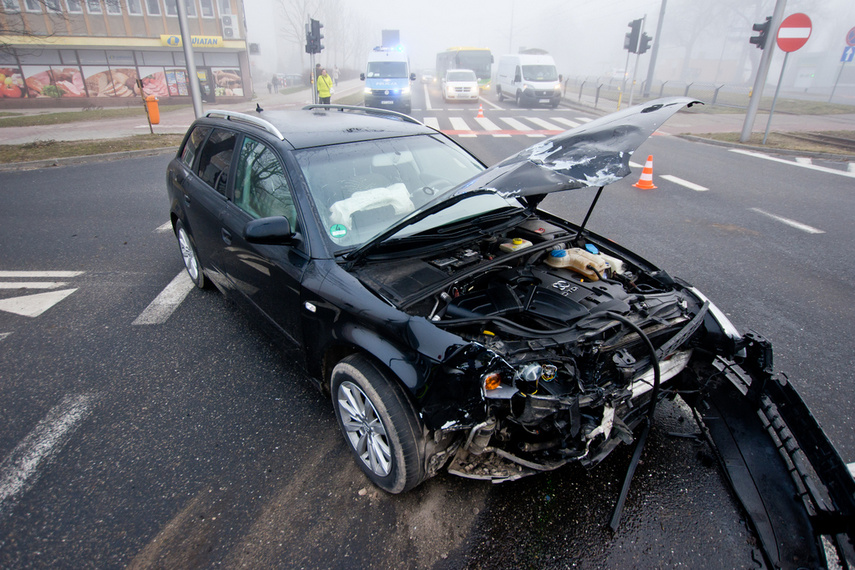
[[594, 154]]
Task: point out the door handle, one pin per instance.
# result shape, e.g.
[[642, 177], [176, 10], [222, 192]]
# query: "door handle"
[[227, 236], [187, 199]]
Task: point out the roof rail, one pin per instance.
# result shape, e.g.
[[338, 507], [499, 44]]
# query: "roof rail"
[[244, 118], [367, 111]]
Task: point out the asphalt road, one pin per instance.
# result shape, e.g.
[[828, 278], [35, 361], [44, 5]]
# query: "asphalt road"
[[197, 442]]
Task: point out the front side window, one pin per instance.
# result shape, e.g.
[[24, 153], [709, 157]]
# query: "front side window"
[[191, 149], [215, 160], [261, 187]]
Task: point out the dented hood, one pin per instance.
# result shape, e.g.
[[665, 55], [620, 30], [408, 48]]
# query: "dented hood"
[[594, 154]]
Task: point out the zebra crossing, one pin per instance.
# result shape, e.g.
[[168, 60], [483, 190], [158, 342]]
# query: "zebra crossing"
[[499, 126]]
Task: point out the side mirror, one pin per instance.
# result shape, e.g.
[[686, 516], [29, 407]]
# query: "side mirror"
[[560, 78], [362, 77], [275, 230], [412, 77]]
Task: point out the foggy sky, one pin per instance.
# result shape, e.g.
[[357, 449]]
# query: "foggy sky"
[[584, 36]]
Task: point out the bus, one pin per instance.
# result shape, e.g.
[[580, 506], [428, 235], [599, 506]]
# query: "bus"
[[478, 60]]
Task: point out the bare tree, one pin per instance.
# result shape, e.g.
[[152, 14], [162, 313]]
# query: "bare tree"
[[14, 23]]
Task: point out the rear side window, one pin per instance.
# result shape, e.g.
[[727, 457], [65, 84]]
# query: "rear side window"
[[261, 187], [215, 159], [191, 149]]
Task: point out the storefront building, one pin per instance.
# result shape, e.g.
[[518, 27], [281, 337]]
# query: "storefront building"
[[102, 52]]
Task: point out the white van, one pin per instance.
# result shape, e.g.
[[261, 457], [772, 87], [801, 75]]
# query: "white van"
[[528, 79], [387, 79]]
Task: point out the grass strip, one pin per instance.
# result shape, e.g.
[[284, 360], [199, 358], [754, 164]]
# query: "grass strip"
[[42, 150]]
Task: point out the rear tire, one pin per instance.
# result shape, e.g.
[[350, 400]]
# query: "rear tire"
[[519, 99], [379, 424]]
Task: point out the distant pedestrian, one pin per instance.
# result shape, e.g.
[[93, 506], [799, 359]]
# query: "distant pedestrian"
[[335, 74], [269, 87], [325, 84], [275, 82]]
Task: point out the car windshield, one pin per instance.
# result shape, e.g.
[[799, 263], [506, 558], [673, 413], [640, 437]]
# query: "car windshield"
[[540, 73], [386, 69], [361, 189], [465, 75]]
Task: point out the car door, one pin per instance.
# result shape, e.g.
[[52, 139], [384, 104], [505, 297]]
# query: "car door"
[[268, 276], [204, 196]]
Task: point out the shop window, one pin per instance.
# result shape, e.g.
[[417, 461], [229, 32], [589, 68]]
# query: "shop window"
[[69, 57], [11, 6], [42, 57], [74, 6], [92, 57]]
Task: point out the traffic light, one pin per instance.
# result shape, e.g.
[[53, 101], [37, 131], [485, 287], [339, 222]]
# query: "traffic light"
[[644, 44], [316, 33], [314, 36], [760, 39], [630, 42]]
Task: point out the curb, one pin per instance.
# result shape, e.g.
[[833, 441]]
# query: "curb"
[[770, 150], [72, 160]]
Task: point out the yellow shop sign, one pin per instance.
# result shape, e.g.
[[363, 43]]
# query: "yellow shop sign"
[[195, 41]]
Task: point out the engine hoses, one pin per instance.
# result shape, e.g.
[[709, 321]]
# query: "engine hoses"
[[653, 359]]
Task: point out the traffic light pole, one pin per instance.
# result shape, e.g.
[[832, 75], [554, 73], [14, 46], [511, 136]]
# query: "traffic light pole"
[[651, 67], [762, 71]]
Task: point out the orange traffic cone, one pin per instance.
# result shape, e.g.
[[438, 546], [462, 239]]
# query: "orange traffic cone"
[[646, 180], [480, 112]]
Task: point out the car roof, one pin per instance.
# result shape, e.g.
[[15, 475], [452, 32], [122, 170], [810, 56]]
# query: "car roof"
[[311, 127]]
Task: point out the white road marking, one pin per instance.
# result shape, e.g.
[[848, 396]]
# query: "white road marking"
[[490, 103], [167, 227], [432, 122], [458, 124], [789, 222], [803, 160], [32, 284], [850, 174], [167, 301], [4, 336], [851, 167], [686, 183], [567, 122], [490, 126], [544, 124], [427, 99], [39, 274], [34, 305], [635, 165], [851, 467], [21, 468], [518, 126], [584, 119]]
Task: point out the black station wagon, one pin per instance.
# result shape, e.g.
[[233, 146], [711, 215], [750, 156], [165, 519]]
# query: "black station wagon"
[[457, 326]]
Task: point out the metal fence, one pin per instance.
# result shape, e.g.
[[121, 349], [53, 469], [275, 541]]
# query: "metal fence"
[[607, 92]]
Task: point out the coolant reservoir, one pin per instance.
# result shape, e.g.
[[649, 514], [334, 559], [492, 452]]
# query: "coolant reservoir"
[[515, 244], [578, 260]]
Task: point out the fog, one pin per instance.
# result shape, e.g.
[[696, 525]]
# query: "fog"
[[700, 40]]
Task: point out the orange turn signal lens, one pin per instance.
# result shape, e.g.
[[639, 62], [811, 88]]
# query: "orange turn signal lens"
[[492, 381]]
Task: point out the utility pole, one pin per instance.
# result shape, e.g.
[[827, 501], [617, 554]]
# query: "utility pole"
[[762, 70], [192, 79], [651, 67]]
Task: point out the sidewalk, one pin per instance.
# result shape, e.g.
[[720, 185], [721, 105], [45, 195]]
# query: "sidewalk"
[[173, 122], [177, 122]]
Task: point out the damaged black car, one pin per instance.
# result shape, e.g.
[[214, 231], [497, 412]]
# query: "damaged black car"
[[457, 326]]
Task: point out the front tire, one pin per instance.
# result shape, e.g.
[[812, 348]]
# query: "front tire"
[[379, 424], [190, 257], [499, 94]]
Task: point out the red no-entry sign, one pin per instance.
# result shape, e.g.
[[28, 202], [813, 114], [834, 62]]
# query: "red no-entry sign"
[[794, 32]]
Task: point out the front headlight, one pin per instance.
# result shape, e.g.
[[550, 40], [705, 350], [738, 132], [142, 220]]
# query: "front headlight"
[[405, 91], [367, 91]]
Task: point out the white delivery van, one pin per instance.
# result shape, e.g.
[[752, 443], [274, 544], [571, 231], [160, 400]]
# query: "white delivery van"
[[387, 79], [528, 79]]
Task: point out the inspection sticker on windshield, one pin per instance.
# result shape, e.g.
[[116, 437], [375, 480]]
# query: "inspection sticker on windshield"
[[338, 231]]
